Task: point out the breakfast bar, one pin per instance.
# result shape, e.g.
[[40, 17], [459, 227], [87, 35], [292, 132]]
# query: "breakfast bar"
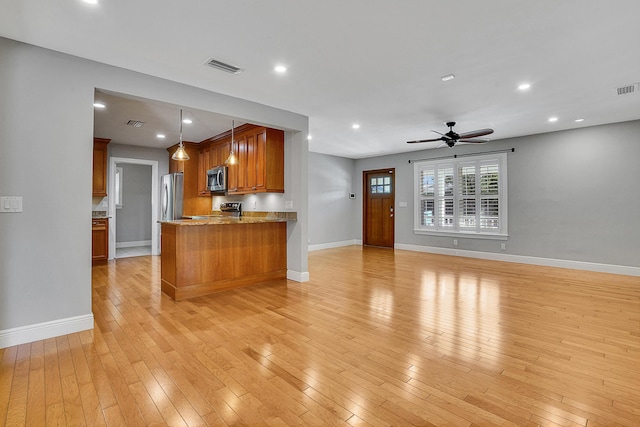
[[206, 255]]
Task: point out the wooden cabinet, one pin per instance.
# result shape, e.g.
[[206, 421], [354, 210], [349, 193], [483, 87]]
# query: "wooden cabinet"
[[192, 204], [204, 164], [210, 156], [202, 259], [99, 240], [260, 161], [260, 165], [100, 167], [220, 152]]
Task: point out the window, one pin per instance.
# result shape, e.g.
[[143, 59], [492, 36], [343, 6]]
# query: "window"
[[380, 185], [462, 196], [118, 187]]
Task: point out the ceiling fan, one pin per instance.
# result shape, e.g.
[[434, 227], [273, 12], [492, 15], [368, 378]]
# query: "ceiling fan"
[[451, 138]]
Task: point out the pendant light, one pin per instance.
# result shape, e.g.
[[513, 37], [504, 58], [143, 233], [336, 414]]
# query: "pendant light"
[[180, 154], [232, 159]]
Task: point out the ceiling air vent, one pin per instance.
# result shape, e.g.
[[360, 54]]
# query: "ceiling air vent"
[[627, 89], [222, 66], [135, 123]]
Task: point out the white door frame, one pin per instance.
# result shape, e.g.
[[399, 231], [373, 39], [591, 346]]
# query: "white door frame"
[[155, 230]]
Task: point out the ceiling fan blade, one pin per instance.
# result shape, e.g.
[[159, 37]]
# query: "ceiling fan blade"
[[425, 140], [474, 133], [473, 141], [435, 131]]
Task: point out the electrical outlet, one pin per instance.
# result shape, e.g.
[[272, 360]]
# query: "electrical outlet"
[[455, 242], [503, 246]]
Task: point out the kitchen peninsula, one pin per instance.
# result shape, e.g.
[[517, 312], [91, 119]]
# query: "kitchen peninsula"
[[210, 254], [207, 254]]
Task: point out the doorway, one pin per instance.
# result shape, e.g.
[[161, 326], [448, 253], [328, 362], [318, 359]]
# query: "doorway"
[[118, 182], [379, 206]]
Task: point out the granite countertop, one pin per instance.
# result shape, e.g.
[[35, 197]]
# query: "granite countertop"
[[99, 215], [217, 220], [246, 218]]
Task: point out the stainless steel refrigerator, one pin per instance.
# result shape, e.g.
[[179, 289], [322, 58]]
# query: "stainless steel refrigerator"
[[172, 190]]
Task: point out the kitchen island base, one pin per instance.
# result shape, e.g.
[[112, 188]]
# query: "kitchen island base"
[[199, 259]]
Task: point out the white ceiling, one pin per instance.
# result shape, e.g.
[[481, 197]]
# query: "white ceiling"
[[374, 62]]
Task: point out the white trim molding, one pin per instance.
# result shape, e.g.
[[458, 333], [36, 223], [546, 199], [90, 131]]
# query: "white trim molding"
[[133, 244], [155, 194], [42, 331], [298, 276], [523, 259], [331, 245]]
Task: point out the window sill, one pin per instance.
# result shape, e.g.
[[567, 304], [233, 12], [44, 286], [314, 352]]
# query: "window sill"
[[462, 234]]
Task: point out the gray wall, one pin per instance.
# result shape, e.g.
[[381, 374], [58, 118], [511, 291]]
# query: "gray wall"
[[46, 116], [331, 212], [143, 153], [573, 195], [133, 220]]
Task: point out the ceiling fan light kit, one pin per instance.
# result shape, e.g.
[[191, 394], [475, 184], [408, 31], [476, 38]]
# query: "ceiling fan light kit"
[[451, 138]]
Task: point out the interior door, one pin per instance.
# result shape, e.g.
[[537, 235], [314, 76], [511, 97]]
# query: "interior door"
[[379, 206]]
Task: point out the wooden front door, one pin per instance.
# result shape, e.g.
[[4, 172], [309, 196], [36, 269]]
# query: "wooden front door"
[[378, 209]]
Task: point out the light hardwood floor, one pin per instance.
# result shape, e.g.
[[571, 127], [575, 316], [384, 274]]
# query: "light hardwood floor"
[[376, 337]]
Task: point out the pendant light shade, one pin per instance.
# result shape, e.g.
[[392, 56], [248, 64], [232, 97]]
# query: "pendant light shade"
[[232, 159], [180, 154]]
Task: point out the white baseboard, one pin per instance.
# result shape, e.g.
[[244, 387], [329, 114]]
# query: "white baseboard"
[[298, 276], [134, 244], [42, 331], [331, 245], [522, 259]]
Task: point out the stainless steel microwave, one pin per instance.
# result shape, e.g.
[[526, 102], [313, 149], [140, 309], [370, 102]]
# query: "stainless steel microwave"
[[217, 179]]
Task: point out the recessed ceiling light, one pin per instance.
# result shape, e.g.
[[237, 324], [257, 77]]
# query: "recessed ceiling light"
[[187, 121], [160, 135], [553, 119], [447, 77], [309, 137], [524, 86], [99, 105], [91, 1], [355, 126], [579, 120], [280, 69]]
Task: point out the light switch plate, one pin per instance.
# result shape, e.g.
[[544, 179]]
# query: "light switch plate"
[[402, 204], [288, 204], [10, 204]]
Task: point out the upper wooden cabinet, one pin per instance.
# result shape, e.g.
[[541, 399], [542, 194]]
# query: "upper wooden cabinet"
[[211, 154], [204, 164], [260, 167], [100, 167], [191, 203]]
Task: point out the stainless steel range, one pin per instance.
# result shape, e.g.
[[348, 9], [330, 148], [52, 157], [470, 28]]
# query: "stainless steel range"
[[233, 209]]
